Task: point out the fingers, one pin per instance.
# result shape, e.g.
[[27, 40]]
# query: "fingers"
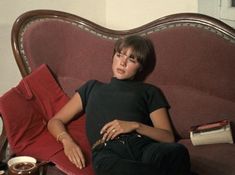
[[78, 160], [110, 134], [75, 156], [111, 130], [104, 129]]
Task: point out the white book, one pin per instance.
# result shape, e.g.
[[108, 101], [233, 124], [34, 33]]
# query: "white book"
[[211, 133]]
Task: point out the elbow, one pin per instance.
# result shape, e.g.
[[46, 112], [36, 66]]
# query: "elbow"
[[171, 138], [51, 123]]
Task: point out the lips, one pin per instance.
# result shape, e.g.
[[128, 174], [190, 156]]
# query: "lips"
[[120, 71]]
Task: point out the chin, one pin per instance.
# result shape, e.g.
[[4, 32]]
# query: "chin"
[[120, 78], [123, 78]]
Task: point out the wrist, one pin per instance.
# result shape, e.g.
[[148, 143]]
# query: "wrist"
[[63, 137], [137, 125], [66, 141], [60, 136]]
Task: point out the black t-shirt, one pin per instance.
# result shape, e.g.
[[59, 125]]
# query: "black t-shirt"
[[120, 99]]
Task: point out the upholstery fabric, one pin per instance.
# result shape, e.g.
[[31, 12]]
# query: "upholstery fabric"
[[211, 159], [209, 108], [69, 53], [196, 78]]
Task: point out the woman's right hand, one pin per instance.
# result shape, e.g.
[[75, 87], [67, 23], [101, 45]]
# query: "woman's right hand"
[[73, 152], [56, 126]]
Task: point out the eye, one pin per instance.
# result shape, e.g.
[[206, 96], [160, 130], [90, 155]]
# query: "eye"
[[118, 54], [133, 60]]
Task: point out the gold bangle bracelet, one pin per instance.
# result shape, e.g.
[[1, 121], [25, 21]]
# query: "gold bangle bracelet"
[[58, 137]]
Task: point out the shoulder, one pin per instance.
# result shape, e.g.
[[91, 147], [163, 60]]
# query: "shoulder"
[[92, 83], [155, 97], [153, 91], [88, 86], [150, 87]]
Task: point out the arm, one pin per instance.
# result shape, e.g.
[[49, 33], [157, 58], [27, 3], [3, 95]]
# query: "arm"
[[56, 127], [161, 130]]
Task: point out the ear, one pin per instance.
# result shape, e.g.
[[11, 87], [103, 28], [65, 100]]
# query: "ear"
[[140, 69]]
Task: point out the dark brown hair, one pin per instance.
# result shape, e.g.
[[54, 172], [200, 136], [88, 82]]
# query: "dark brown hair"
[[142, 49]]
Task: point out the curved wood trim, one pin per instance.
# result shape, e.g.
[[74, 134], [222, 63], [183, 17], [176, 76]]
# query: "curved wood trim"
[[3, 141], [191, 19]]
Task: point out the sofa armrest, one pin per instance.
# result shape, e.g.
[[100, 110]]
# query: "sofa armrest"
[[3, 145]]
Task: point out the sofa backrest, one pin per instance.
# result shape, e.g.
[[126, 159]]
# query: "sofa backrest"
[[195, 59]]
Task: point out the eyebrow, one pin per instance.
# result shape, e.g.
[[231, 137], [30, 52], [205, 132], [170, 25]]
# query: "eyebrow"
[[131, 55]]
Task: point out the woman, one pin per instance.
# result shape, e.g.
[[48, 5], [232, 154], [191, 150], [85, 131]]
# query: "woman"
[[127, 121]]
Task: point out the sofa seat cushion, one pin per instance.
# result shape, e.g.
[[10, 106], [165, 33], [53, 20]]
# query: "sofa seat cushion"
[[217, 158]]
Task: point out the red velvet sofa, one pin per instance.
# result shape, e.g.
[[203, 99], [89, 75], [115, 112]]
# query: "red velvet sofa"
[[195, 69]]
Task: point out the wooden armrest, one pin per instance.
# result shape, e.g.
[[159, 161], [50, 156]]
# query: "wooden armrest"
[[3, 144]]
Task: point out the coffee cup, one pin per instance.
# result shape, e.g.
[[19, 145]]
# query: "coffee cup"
[[24, 165]]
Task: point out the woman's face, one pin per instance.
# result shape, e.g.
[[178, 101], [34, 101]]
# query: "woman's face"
[[124, 65]]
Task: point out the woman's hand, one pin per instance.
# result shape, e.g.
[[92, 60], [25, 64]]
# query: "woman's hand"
[[73, 152], [161, 130], [116, 127], [56, 126]]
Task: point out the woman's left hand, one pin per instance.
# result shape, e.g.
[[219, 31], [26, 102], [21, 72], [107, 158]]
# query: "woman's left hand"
[[116, 127]]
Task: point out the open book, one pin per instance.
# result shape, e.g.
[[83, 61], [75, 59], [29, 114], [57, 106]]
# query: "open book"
[[211, 133]]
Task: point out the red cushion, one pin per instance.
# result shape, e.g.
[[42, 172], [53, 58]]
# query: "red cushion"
[[26, 109]]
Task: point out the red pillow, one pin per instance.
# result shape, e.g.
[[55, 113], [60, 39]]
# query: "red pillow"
[[26, 109]]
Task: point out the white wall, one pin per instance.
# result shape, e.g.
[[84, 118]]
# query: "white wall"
[[127, 14], [220, 9]]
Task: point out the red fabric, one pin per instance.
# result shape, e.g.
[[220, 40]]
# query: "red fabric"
[[62, 161], [26, 109]]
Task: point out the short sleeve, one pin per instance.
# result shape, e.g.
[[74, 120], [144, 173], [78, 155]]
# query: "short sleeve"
[[85, 90], [156, 99]]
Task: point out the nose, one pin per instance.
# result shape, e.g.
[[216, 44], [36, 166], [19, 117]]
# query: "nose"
[[123, 61]]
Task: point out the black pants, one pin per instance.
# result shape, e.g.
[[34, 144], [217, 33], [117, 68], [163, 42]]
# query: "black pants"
[[137, 155]]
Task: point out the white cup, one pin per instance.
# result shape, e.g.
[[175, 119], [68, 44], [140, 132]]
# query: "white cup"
[[21, 159]]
